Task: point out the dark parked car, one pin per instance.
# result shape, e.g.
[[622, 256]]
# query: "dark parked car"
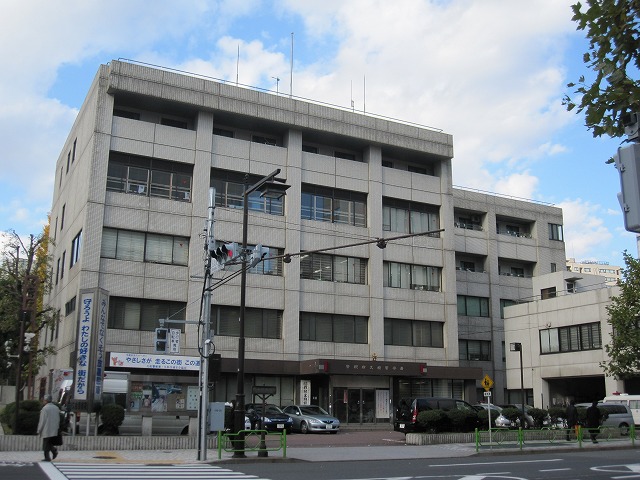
[[312, 418], [410, 423], [273, 419]]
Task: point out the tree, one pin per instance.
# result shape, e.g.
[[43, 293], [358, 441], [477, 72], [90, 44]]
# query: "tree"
[[24, 279], [624, 318], [613, 30]]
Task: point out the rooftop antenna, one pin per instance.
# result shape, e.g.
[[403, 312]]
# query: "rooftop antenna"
[[353, 105], [291, 74], [238, 65], [277, 79]]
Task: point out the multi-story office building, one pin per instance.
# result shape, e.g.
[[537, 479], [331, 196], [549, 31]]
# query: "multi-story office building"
[[611, 273], [352, 329]]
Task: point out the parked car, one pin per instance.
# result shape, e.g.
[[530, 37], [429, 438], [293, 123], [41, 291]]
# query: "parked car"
[[529, 421], [618, 415], [417, 405], [500, 421], [273, 419], [312, 418]]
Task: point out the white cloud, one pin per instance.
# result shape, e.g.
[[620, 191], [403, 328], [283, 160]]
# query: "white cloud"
[[585, 232]]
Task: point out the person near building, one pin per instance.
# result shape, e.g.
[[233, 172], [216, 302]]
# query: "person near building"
[[593, 421], [48, 427], [403, 412], [572, 418]]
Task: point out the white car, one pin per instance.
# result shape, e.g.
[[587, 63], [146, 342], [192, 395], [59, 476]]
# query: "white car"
[[500, 421]]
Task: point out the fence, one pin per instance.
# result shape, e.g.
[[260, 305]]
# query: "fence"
[[259, 441], [551, 436]]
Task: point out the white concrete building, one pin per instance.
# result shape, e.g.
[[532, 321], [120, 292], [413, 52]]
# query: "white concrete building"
[[353, 330], [563, 329], [611, 273]]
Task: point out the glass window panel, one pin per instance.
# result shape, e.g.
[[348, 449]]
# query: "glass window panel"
[[253, 323], [324, 328], [159, 248], [544, 341], [419, 277], [360, 214], [362, 330], [405, 276], [473, 307], [180, 251], [160, 184], [386, 218], [341, 269], [574, 338], [463, 354], [116, 177], [421, 334], [306, 212], [272, 321], [565, 344], [402, 332], [109, 242], [138, 180], [181, 187], [234, 195], [228, 321], [437, 334], [342, 211], [306, 322], [130, 246], [322, 210], [343, 329]]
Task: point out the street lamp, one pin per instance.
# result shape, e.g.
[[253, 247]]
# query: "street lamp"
[[269, 187], [517, 347]]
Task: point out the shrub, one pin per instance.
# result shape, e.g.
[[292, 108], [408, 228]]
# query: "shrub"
[[112, 416], [28, 417], [483, 418], [512, 414], [556, 413], [434, 421], [539, 416], [463, 420]]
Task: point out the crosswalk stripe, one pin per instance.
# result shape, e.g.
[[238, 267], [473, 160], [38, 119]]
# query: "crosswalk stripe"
[[92, 471]]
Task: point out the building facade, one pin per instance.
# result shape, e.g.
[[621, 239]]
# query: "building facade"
[[562, 331], [352, 329], [611, 273]]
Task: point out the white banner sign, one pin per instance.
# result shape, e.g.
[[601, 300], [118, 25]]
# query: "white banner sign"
[[174, 340], [150, 360], [305, 392], [84, 347]]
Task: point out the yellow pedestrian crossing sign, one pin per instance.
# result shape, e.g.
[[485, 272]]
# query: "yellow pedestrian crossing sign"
[[487, 383]]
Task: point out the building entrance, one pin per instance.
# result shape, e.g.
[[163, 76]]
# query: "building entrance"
[[354, 405]]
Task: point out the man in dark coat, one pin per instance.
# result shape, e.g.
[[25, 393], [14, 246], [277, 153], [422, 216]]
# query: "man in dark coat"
[[48, 427], [593, 421], [572, 418]]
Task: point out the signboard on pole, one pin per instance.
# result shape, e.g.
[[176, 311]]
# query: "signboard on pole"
[[174, 340]]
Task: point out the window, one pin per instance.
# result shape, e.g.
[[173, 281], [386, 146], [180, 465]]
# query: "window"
[[309, 148], [546, 293], [57, 270], [230, 193], [415, 277], [555, 232], [75, 249], [324, 327], [333, 268], [258, 322], [473, 306], [345, 155], [413, 333], [68, 160], [332, 205], [571, 339], [70, 307], [144, 247], [554, 268], [118, 112], [172, 122], [415, 169], [149, 177], [468, 266], [264, 140], [143, 314], [474, 350], [223, 132], [62, 216], [505, 303], [62, 262], [73, 152], [409, 217]]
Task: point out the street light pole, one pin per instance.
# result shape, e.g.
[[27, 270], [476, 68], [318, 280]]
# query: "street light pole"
[[517, 347], [239, 413]]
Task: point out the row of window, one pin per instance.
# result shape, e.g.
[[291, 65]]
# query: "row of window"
[[76, 245], [144, 247], [160, 178], [573, 338]]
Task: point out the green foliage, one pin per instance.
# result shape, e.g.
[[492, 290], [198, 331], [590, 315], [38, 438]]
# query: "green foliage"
[[512, 414], [112, 416], [483, 418], [434, 421], [624, 314], [556, 413], [539, 416], [28, 417], [463, 420], [612, 28]]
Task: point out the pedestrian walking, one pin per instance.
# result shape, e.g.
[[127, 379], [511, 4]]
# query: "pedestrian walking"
[[48, 428], [572, 418], [593, 421]]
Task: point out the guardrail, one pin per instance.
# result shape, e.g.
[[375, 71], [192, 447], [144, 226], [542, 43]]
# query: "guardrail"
[[550, 436], [259, 441]]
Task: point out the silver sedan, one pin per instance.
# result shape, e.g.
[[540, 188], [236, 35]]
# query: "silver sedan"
[[312, 418]]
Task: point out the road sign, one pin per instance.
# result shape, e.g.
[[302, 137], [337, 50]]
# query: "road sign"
[[487, 394], [487, 383]]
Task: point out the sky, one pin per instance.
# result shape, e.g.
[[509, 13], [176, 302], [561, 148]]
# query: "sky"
[[490, 72]]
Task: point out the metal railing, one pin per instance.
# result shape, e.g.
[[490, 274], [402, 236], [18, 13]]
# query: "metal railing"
[[551, 436], [259, 441]]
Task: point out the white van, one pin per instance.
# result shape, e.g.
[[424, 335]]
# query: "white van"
[[632, 401]]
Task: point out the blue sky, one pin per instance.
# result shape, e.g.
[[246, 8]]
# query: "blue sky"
[[490, 72]]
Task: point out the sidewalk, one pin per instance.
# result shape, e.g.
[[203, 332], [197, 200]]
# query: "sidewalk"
[[304, 454]]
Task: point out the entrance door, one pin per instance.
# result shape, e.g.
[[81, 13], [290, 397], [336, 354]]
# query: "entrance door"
[[355, 405]]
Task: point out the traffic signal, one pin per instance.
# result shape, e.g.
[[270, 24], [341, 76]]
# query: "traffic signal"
[[627, 160], [257, 254], [215, 362], [162, 340], [225, 253]]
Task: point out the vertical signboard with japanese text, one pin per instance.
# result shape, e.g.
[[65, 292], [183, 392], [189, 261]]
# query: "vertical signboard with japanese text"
[[90, 345]]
